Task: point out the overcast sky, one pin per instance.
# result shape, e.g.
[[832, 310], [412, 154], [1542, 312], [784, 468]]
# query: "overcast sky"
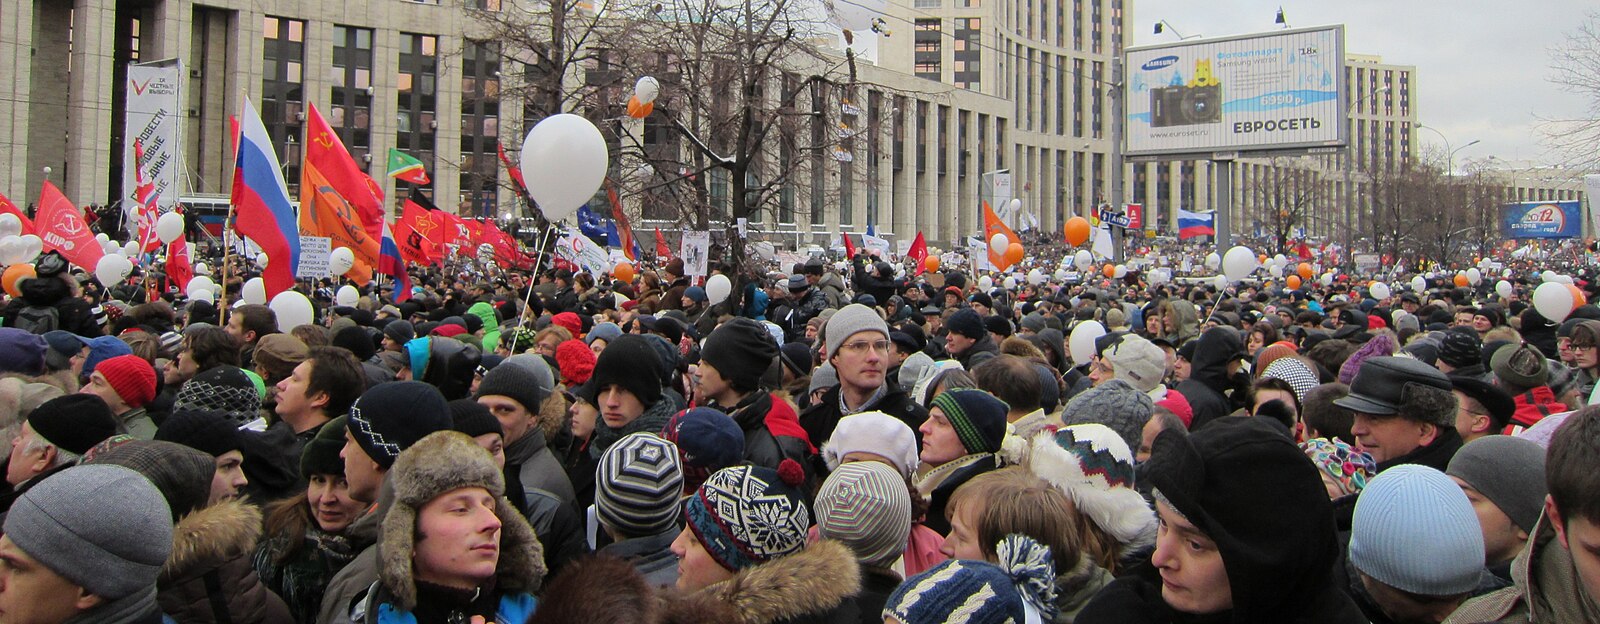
[[1482, 66]]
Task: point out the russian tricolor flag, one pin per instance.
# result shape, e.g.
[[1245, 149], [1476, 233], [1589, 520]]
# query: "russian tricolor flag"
[[261, 203], [390, 262], [1194, 224]]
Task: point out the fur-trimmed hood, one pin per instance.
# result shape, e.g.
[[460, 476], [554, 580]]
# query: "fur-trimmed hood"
[[212, 536], [811, 581], [605, 589]]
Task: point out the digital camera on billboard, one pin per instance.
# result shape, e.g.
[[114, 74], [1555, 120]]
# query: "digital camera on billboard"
[[1198, 102]]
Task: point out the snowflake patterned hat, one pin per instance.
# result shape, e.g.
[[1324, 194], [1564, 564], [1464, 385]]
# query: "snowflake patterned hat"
[[391, 417], [747, 515]]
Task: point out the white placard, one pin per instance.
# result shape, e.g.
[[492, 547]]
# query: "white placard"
[[695, 251], [315, 262]]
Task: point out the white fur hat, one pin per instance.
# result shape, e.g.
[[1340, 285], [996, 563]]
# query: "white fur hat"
[[1094, 467], [873, 432]]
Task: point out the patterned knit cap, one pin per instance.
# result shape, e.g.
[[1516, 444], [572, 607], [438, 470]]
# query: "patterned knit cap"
[[1021, 588], [748, 515], [1093, 466], [1349, 467], [221, 388], [1300, 375], [866, 506], [637, 485]]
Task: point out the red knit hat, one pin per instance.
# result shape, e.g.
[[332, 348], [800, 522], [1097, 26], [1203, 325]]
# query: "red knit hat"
[[576, 361], [132, 377], [570, 321], [1178, 405], [449, 331]]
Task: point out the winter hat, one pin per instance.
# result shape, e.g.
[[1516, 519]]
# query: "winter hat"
[[132, 378], [224, 388], [389, 418], [356, 340], [281, 351], [823, 377], [695, 293], [748, 515], [74, 422], [1437, 553], [866, 506], [473, 418], [321, 454], [1299, 374], [540, 366], [1380, 386], [1379, 346], [741, 350], [63, 524], [966, 322], [911, 370], [977, 416], [63, 345], [1034, 323], [21, 351], [576, 361], [570, 321], [995, 324], [637, 485], [1461, 348], [101, 349], [876, 433], [1093, 466], [1520, 366], [209, 431], [1021, 588], [1271, 353], [849, 321], [517, 383], [181, 474], [1508, 471], [1425, 350], [1114, 404], [629, 362], [1138, 362], [707, 441], [439, 463], [796, 357], [603, 331], [1349, 467]]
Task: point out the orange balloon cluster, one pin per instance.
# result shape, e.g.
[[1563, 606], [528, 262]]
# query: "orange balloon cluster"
[[931, 264], [639, 110], [1304, 271], [13, 277], [1014, 253], [623, 272], [1077, 230]]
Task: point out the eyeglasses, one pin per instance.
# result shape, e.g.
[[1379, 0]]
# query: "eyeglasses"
[[861, 346]]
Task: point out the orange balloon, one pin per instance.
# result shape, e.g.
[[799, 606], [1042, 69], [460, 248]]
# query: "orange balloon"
[[931, 263], [1077, 230], [624, 272], [1109, 271], [639, 110], [1577, 296], [1461, 279], [1305, 271], [1014, 253], [1262, 258], [14, 275], [1293, 281]]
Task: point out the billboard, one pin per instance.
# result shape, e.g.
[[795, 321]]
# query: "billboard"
[[1283, 90], [1558, 219], [151, 120]]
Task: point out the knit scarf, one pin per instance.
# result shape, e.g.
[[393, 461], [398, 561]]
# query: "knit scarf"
[[135, 607], [940, 473]]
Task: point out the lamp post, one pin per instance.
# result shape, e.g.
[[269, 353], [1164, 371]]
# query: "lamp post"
[[1450, 154], [1349, 164]]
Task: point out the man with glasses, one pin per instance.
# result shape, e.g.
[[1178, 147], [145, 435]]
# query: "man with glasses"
[[857, 346]]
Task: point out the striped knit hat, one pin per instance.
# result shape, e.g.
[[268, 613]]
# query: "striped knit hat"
[[977, 416], [637, 485], [867, 506], [1021, 588]]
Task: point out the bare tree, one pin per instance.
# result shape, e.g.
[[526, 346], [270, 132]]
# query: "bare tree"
[[1287, 196], [1575, 67]]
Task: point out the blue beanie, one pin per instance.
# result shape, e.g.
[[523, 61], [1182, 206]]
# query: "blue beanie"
[[979, 592], [1414, 530], [102, 348], [695, 293]]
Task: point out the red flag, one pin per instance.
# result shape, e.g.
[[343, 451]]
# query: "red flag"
[[9, 208], [662, 250], [418, 233], [179, 271], [849, 247], [624, 230], [1304, 250], [233, 127], [918, 253], [62, 228], [146, 212], [475, 232], [505, 247], [327, 157], [516, 173]]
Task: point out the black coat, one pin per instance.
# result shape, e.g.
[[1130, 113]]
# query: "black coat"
[[820, 419], [75, 314], [1208, 383]]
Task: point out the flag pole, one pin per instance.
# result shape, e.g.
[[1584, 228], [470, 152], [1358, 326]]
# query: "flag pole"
[[538, 258], [223, 308]]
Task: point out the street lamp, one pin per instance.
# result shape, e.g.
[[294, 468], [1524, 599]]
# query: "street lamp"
[[1164, 25], [1349, 206], [1450, 154]]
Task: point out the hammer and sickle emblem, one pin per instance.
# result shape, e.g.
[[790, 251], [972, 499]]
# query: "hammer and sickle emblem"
[[324, 140]]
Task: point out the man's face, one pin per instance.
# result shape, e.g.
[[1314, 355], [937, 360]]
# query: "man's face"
[[1472, 420], [711, 384], [957, 344], [1389, 437], [1502, 538], [1481, 323], [235, 327], [459, 538], [1581, 537], [293, 398], [1100, 371], [31, 593], [862, 360], [363, 474], [1147, 440], [1463, 319], [99, 387], [618, 406], [1409, 306], [228, 481], [940, 444], [1193, 577], [515, 420], [981, 309], [26, 465], [1181, 369], [77, 362]]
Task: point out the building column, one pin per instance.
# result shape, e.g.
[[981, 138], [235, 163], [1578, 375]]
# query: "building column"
[[17, 175], [88, 102]]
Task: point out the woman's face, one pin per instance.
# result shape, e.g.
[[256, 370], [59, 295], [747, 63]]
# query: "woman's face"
[[1586, 357], [1254, 344], [331, 505]]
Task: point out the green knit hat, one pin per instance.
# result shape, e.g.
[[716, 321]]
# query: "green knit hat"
[[977, 416]]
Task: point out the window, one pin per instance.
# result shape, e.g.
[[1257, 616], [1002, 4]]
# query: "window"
[[417, 101], [350, 101], [944, 139], [282, 91], [1097, 124], [928, 55], [1077, 97], [922, 137], [1077, 25], [480, 123], [968, 54]]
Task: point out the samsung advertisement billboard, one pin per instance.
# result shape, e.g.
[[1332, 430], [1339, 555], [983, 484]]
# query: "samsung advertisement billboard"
[[1283, 90]]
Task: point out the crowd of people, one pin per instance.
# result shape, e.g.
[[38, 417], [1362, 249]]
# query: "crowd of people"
[[826, 443]]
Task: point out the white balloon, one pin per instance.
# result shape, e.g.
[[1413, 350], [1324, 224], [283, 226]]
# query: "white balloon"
[[1036, 277], [102, 237], [1505, 273], [1379, 291], [1553, 300], [1080, 345], [1010, 283], [1474, 276], [1220, 282], [998, 244], [1418, 284], [564, 160], [1280, 260], [1563, 279], [1213, 261], [293, 309], [347, 295], [112, 269], [1548, 276], [200, 268], [1238, 263], [203, 295], [718, 287], [262, 259], [10, 225], [1016, 206], [1083, 259], [254, 291], [341, 259], [646, 89], [11, 249], [169, 227], [985, 283], [1275, 270], [1503, 288], [32, 247], [199, 283], [1327, 279], [1119, 272], [1061, 274]]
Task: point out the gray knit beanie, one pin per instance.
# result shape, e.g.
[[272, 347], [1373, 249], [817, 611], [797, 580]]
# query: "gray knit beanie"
[[516, 382], [1114, 404], [638, 483], [1508, 471], [103, 528], [849, 321], [823, 378], [1436, 552]]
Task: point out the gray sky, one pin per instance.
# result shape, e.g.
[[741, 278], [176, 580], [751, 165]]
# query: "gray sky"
[[1482, 66]]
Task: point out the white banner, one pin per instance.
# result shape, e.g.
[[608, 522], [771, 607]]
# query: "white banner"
[[875, 245], [315, 257], [696, 252], [579, 250], [151, 121]]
